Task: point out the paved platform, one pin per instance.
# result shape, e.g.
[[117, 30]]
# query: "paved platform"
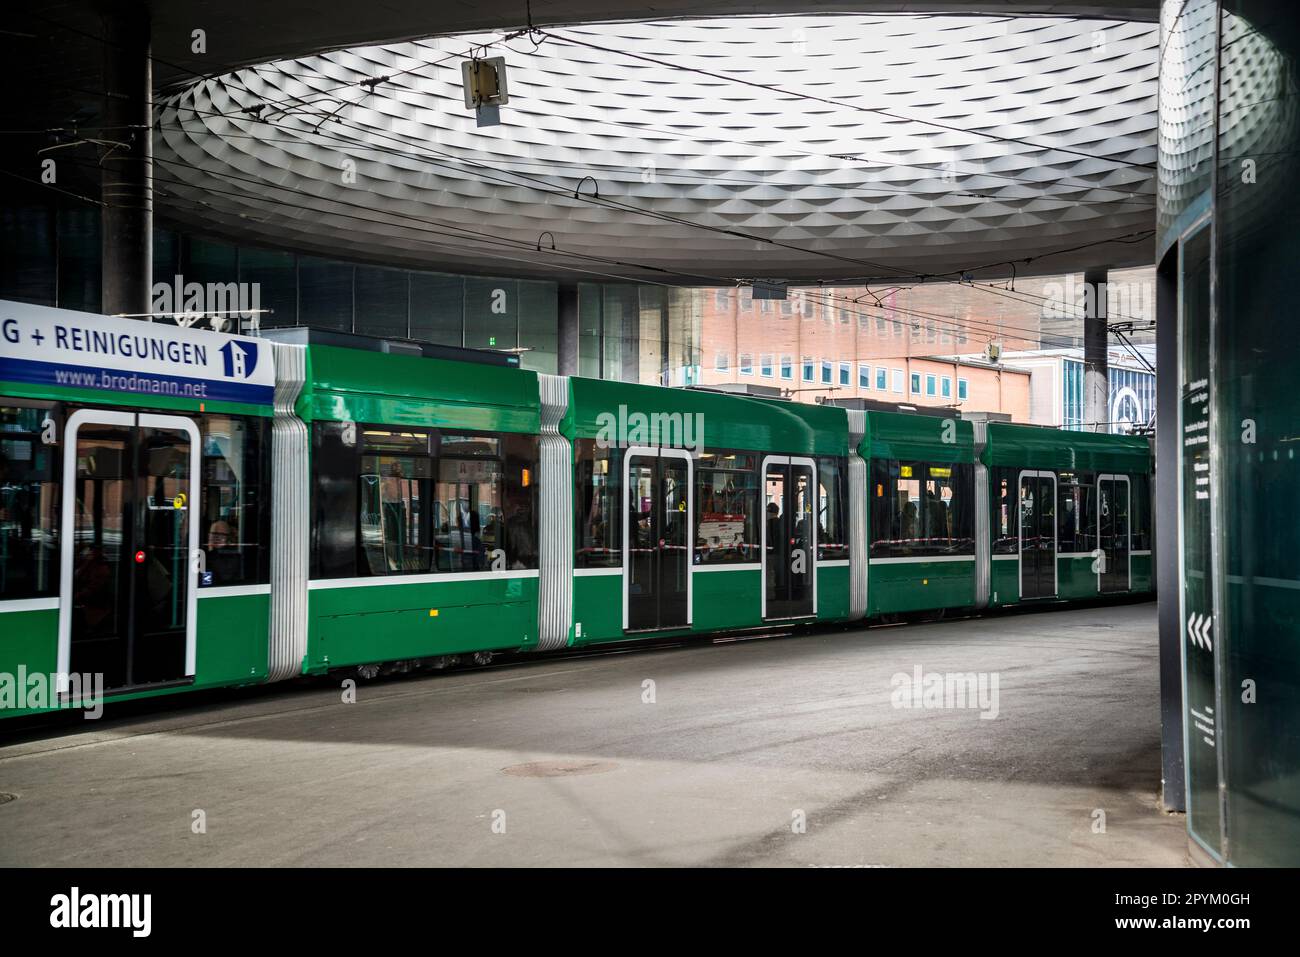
[[743, 740]]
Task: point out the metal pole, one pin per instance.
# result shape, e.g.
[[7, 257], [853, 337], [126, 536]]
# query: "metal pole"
[[1096, 388], [126, 180]]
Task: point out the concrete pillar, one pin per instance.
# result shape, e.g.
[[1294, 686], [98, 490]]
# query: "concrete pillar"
[[126, 176], [1173, 792], [1096, 338], [566, 346]]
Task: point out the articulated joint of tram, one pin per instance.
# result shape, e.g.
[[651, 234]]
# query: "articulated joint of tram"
[[290, 517], [555, 521], [857, 516]]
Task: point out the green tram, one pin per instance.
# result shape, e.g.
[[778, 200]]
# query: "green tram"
[[184, 509]]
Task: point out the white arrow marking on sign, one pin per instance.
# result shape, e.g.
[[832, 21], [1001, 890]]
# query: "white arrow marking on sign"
[[1199, 629]]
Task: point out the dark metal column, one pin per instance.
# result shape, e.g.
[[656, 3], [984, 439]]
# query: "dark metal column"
[[1173, 791], [127, 172], [1096, 387], [566, 345]]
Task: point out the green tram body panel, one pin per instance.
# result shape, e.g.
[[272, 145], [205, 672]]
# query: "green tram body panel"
[[732, 422], [898, 585], [919, 585], [230, 638], [925, 438], [230, 631], [722, 598], [352, 385], [354, 621], [388, 619], [364, 624], [1035, 448]]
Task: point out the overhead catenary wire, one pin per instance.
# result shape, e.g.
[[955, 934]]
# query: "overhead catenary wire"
[[363, 127], [529, 181], [750, 237]]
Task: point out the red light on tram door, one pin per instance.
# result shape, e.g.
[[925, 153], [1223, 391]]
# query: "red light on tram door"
[[139, 558]]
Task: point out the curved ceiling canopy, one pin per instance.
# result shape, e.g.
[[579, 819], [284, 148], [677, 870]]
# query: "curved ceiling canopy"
[[246, 32], [801, 148]]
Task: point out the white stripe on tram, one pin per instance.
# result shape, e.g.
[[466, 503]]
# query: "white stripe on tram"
[[923, 559], [234, 591], [29, 604], [428, 579]]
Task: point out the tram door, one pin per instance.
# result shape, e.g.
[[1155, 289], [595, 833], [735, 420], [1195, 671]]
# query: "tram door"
[[1113, 532], [657, 540], [789, 537], [127, 601], [1037, 535]]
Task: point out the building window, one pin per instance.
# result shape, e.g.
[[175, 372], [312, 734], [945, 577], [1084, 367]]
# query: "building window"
[[946, 387], [747, 299], [721, 362], [746, 364], [722, 299], [882, 375], [864, 376], [898, 380], [807, 369], [963, 389], [826, 372], [765, 366], [916, 383], [765, 305], [787, 367], [929, 385], [787, 307], [844, 373]]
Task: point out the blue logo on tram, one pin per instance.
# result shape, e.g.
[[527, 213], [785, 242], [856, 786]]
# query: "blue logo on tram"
[[240, 359]]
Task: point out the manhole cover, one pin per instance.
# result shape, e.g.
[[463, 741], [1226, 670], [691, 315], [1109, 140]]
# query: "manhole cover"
[[6, 798], [559, 769]]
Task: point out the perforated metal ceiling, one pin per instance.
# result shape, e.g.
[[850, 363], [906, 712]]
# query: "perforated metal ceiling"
[[1048, 152]]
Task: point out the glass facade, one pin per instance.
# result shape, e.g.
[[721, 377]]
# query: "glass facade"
[[50, 255], [1132, 401], [651, 334], [1228, 202]]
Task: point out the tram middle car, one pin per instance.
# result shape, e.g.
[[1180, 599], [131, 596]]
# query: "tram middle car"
[[392, 506]]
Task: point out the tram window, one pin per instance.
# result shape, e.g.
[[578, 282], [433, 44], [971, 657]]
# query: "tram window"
[[1071, 534], [1140, 510], [522, 456], [393, 501], [919, 509], [470, 505], [335, 467], [1086, 539], [234, 528], [393, 513], [726, 507], [1006, 529], [29, 499], [599, 505], [833, 522], [467, 446], [939, 503]]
